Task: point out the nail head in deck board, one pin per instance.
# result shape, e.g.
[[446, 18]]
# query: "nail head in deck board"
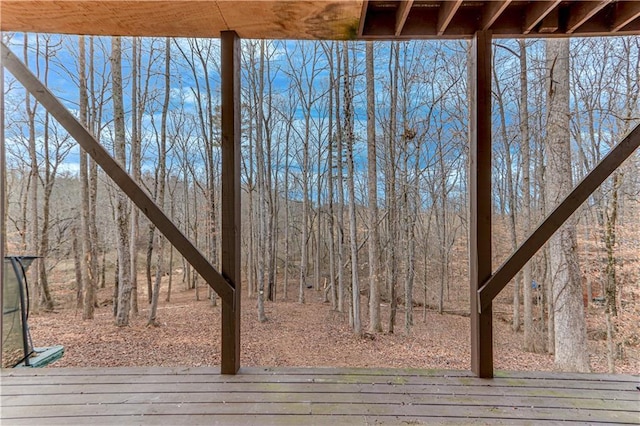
[[480, 201], [618, 154], [230, 217]]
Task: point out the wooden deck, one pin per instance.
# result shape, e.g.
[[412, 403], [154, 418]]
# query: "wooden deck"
[[312, 396]]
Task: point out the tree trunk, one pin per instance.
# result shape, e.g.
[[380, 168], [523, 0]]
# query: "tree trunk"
[[611, 283], [353, 230], [94, 122], [331, 220], [391, 203], [77, 265], [261, 185], [510, 199], [44, 296], [372, 187], [122, 214], [50, 165], [162, 178], [340, 185], [136, 172], [571, 351], [304, 237], [527, 295], [88, 279]]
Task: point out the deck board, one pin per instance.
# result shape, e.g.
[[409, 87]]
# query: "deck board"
[[334, 396]]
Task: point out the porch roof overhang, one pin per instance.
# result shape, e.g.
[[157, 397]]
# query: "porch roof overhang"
[[323, 19]]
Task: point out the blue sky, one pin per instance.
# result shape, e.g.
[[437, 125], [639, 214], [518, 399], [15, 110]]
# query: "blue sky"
[[429, 64]]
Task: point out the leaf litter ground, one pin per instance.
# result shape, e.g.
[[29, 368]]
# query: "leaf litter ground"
[[309, 335]]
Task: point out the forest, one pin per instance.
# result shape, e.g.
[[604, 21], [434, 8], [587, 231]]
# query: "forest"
[[354, 181]]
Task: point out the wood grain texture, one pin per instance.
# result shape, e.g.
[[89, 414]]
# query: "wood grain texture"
[[480, 201], [582, 11], [317, 20], [446, 13], [230, 215], [311, 396], [536, 12], [625, 13], [492, 12], [404, 7], [180, 18]]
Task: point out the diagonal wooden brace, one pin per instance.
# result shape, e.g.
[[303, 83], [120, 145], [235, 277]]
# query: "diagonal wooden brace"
[[557, 218], [115, 171]]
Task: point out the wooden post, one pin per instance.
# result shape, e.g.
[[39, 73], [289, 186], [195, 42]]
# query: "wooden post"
[[480, 202], [230, 87], [3, 174]]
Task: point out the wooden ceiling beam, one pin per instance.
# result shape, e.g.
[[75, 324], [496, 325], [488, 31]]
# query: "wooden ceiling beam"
[[363, 17], [625, 13], [447, 11], [401, 15], [550, 23], [492, 12], [536, 13], [582, 11]]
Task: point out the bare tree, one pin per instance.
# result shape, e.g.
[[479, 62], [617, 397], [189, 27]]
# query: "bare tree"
[[162, 178], [353, 230], [372, 176], [571, 352], [88, 282], [526, 192], [122, 213], [390, 190]]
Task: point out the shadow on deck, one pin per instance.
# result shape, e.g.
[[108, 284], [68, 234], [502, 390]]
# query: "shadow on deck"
[[312, 396]]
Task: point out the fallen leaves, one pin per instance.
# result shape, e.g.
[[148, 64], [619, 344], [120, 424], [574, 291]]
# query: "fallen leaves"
[[308, 335]]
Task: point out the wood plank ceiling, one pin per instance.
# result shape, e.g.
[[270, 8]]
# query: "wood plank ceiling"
[[268, 19], [383, 19], [323, 19]]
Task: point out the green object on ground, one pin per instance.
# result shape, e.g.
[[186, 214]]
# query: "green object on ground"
[[41, 357]]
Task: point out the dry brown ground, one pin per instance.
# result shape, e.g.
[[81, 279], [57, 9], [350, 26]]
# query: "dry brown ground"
[[295, 335]]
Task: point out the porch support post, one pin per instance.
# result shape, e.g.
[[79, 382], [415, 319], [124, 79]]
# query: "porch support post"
[[230, 87], [480, 202], [3, 176]]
